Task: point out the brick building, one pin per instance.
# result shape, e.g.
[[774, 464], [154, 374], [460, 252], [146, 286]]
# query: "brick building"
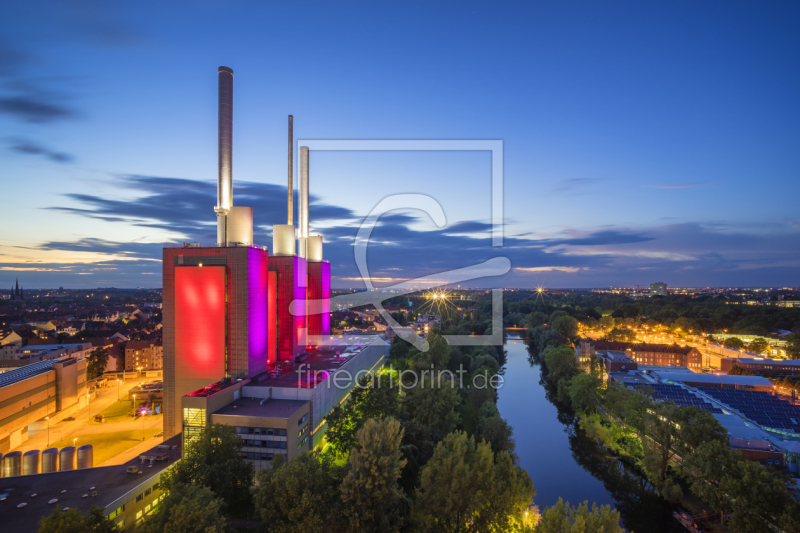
[[655, 354], [144, 355]]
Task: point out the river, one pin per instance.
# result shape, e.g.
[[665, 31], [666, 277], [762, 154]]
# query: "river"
[[562, 461]]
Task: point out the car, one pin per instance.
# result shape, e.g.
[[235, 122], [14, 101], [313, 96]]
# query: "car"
[[69, 419], [159, 434]]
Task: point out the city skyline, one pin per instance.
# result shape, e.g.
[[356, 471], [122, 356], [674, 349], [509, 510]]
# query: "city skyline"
[[650, 147]]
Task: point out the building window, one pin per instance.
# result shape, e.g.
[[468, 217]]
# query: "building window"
[[194, 420], [147, 492], [139, 498], [303, 419]]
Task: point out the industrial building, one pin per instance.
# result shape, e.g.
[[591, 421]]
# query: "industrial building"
[[234, 311], [762, 366], [33, 392]]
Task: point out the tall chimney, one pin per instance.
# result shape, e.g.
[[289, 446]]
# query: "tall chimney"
[[225, 152], [290, 188], [303, 198]]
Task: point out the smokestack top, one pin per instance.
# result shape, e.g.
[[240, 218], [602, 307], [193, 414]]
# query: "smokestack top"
[[229, 70]]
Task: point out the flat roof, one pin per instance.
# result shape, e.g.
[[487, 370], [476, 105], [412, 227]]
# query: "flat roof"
[[270, 409], [712, 379], [26, 372], [41, 347], [109, 482], [765, 361], [318, 362]]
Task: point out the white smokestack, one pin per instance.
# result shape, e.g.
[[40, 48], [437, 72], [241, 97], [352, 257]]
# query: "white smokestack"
[[303, 200], [225, 152]]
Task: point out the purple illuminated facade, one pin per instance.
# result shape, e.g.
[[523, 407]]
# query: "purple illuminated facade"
[[319, 298], [290, 322]]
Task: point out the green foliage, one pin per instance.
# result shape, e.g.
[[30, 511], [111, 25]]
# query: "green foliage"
[[561, 518], [758, 496], [733, 342], [736, 370], [561, 363], [74, 521], [96, 363], [417, 445], [437, 356], [433, 403], [299, 496], [566, 326], [497, 432], [758, 345], [465, 489], [622, 335], [370, 492], [376, 397], [705, 468], [583, 392], [793, 346], [213, 459], [187, 509]]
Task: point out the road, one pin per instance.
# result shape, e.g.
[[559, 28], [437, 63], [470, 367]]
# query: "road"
[[60, 429]]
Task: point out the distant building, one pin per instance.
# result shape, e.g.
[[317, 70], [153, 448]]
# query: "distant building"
[[654, 354], [17, 294], [762, 366], [144, 355], [658, 288]]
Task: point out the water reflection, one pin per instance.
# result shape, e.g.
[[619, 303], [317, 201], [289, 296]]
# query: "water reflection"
[[559, 457]]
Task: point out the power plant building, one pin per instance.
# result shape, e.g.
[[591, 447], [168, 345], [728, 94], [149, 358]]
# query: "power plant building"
[[235, 318]]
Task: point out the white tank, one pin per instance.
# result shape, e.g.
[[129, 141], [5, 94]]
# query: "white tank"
[[12, 464], [67, 458], [30, 462], [85, 456], [240, 225], [282, 239], [50, 460], [314, 249]]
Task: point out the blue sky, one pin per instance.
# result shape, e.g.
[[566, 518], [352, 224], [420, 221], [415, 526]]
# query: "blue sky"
[[642, 141]]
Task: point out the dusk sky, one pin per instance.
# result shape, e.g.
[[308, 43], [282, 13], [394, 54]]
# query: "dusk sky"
[[643, 141]]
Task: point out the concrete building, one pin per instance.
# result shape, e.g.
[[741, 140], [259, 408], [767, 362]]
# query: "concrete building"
[[30, 393], [762, 366], [126, 493], [659, 288], [231, 310], [284, 412]]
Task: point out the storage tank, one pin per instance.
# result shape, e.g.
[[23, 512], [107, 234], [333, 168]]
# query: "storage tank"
[[67, 458], [1, 465], [30, 462], [12, 464], [85, 456], [50, 460]]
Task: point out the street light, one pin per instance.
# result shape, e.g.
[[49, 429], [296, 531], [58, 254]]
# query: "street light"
[[48, 429]]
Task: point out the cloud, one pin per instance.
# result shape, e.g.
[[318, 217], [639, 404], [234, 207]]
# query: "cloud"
[[25, 146], [574, 185], [571, 270], [600, 238], [681, 185], [33, 108]]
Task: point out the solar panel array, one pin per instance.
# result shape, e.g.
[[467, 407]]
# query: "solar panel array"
[[25, 372], [677, 395], [761, 407]]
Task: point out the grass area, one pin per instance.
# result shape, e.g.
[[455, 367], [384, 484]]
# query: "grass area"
[[108, 445], [117, 412]]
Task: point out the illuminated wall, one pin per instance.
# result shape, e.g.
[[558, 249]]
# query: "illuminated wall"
[[200, 322], [319, 298], [257, 311], [272, 316], [291, 287]]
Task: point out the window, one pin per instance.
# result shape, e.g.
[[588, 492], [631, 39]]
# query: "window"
[[282, 432], [194, 420], [120, 524], [138, 515], [303, 419], [116, 512], [147, 492], [139, 498], [147, 508]]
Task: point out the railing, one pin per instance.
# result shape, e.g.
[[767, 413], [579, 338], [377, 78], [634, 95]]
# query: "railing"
[[215, 245]]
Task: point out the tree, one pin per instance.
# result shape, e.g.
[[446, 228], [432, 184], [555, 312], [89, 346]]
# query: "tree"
[[96, 363], [417, 446], [436, 357], [433, 403], [733, 342], [583, 392], [661, 426], [213, 459], [758, 346], [188, 509], [705, 467], [376, 397], [758, 496], [622, 335], [793, 346], [370, 493], [299, 496], [497, 432], [561, 518], [74, 521], [561, 363], [566, 326], [465, 489], [736, 370], [606, 322]]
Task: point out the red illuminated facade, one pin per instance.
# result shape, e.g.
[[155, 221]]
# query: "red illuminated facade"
[[290, 321], [215, 318], [319, 298]]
